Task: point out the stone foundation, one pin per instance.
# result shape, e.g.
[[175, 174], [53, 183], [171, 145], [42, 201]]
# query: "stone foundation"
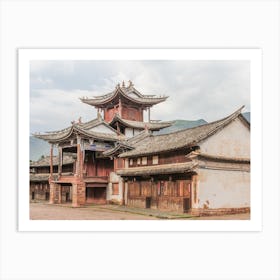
[[219, 211]]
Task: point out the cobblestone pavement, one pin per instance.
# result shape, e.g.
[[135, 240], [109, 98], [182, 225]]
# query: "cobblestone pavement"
[[44, 211]]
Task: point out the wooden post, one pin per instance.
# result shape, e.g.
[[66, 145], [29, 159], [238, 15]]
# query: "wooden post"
[[123, 192], [51, 162], [79, 158], [75, 195], [59, 161], [52, 193], [78, 186], [59, 194], [149, 115], [52, 185]]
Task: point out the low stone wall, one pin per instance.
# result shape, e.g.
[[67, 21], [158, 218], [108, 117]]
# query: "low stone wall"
[[219, 211]]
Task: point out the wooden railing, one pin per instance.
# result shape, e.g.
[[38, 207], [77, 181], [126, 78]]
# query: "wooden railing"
[[70, 178], [96, 179]]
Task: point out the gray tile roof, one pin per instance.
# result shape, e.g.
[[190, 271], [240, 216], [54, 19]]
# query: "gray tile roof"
[[199, 155], [158, 169], [128, 92], [67, 159], [41, 177], [184, 138], [140, 125], [82, 128], [119, 148]]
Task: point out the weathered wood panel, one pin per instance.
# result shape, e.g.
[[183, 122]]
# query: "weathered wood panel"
[[131, 113], [109, 113], [167, 195], [164, 158]]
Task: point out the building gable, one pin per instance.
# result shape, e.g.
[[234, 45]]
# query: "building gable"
[[102, 128], [232, 140]]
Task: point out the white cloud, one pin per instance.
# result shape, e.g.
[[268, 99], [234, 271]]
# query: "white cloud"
[[196, 89], [55, 109]]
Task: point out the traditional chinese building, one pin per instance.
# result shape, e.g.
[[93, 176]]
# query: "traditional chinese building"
[[92, 179], [202, 170], [39, 177], [124, 109], [118, 159]]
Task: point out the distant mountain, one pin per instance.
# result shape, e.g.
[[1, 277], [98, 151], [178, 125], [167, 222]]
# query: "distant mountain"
[[180, 125], [38, 148], [247, 116]]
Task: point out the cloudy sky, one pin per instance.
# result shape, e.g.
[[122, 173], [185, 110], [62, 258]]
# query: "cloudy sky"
[[197, 89]]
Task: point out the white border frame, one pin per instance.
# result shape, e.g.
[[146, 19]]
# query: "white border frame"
[[253, 55]]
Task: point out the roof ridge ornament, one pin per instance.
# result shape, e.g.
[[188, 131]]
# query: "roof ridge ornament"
[[130, 84]]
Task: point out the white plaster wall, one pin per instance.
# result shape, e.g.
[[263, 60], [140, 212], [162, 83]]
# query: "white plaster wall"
[[223, 189], [231, 141], [128, 132], [102, 129], [114, 178]]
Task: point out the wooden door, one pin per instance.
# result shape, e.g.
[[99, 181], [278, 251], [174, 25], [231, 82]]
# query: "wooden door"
[[148, 202], [186, 204]]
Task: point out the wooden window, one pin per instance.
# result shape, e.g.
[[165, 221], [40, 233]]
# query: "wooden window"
[[155, 159], [131, 161], [144, 160], [138, 161], [186, 188], [180, 185], [115, 188], [163, 189], [119, 162]]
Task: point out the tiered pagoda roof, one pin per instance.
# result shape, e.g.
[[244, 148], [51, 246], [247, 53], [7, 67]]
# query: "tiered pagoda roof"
[[129, 93], [67, 159], [140, 125]]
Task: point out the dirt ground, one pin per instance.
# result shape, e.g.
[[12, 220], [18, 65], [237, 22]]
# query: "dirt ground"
[[41, 211]]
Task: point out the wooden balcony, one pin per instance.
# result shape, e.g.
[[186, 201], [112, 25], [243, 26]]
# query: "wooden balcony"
[[70, 178], [96, 179], [66, 178]]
